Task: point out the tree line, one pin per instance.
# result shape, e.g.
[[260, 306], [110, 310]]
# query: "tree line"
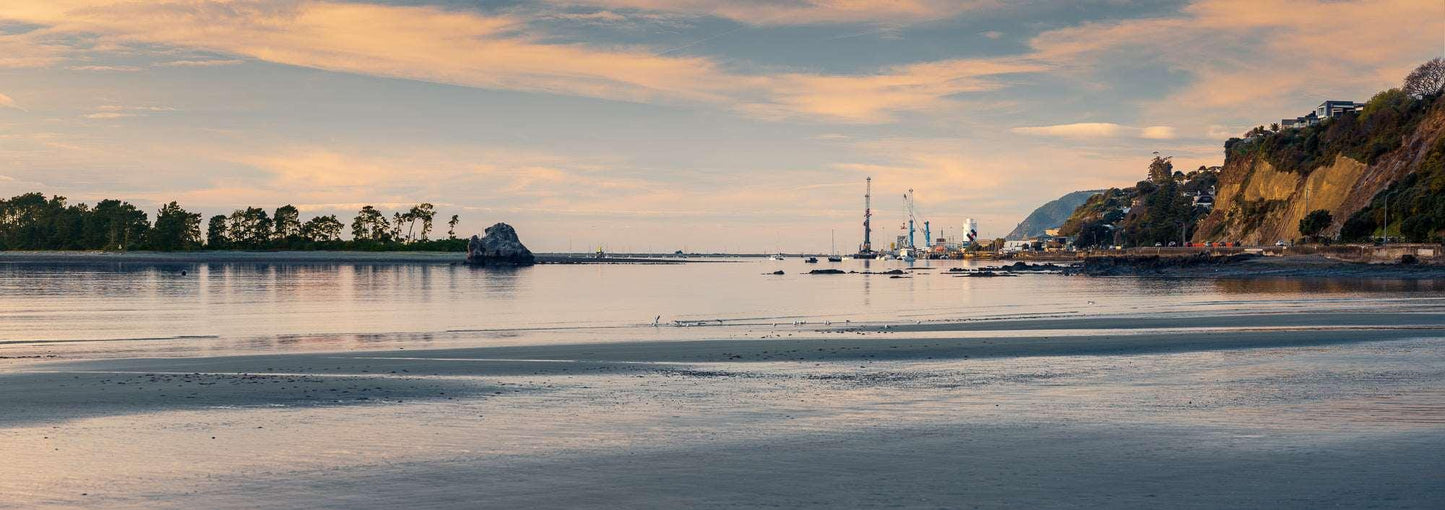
[[1159, 209], [32, 221]]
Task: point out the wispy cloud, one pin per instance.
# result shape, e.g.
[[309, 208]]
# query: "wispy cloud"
[[877, 97], [1098, 130], [8, 102], [116, 69], [493, 51], [200, 63], [123, 108], [800, 12], [1245, 58]]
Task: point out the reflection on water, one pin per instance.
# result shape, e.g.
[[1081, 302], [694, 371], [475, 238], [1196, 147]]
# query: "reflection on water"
[[1328, 286], [285, 303]]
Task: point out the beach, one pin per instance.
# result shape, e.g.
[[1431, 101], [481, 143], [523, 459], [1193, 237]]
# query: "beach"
[[1264, 410]]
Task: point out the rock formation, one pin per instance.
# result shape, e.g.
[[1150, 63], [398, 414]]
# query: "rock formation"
[[1260, 203], [500, 247]]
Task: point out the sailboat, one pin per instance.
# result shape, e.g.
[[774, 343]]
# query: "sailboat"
[[834, 257]]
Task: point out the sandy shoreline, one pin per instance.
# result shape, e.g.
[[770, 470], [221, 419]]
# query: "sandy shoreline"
[[1290, 410]]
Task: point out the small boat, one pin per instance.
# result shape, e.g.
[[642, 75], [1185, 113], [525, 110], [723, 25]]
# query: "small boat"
[[812, 260], [835, 258], [777, 257]]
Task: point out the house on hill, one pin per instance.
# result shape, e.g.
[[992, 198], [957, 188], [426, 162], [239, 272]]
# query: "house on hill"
[[1326, 110]]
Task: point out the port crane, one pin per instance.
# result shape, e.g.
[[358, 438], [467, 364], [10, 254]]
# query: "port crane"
[[908, 252]]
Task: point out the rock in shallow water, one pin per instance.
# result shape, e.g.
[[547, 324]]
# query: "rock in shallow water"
[[500, 247]]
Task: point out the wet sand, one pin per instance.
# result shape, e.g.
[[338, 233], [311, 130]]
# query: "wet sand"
[[1291, 410]]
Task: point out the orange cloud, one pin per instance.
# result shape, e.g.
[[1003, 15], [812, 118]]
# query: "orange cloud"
[[1247, 57], [1097, 130], [800, 12], [432, 44], [874, 98]]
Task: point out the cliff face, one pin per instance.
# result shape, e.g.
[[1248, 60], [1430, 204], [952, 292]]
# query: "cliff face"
[[1256, 203]]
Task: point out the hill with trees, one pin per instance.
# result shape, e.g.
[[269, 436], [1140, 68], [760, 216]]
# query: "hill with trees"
[[1159, 209], [32, 221]]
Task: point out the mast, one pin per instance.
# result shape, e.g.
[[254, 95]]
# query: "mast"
[[867, 247]]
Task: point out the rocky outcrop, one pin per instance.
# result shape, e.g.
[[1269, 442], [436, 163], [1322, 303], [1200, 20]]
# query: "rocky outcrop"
[[1258, 203], [500, 247]]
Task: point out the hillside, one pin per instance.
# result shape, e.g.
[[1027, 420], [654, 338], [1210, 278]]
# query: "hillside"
[[1347, 166], [1159, 209], [1050, 215]]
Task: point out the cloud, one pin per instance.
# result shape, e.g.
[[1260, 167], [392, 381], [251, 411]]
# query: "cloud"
[[8, 102], [200, 63], [498, 52], [800, 12], [118, 69], [122, 108], [1249, 59], [1079, 130], [1097, 130], [27, 50], [1157, 133], [876, 98], [114, 111]]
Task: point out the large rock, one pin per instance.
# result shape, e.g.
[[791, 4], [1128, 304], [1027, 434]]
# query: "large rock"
[[500, 247]]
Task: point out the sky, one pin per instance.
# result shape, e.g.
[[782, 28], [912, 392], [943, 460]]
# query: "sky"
[[654, 125]]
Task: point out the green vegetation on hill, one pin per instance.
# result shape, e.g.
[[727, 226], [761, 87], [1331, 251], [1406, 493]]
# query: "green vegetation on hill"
[[1416, 205], [1390, 152], [1157, 210], [1365, 137], [33, 222]]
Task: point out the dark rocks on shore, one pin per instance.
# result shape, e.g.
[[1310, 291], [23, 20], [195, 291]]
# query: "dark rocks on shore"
[[1155, 264], [500, 247], [827, 271], [1022, 266], [983, 274]]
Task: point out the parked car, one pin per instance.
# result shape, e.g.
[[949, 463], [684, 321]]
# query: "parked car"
[[1280, 243]]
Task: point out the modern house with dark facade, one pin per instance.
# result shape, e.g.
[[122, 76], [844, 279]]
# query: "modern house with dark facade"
[[1326, 110]]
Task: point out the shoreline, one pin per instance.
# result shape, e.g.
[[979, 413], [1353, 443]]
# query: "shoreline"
[[311, 257], [1250, 267]]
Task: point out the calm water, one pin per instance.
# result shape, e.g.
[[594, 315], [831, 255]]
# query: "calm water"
[[271, 305]]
